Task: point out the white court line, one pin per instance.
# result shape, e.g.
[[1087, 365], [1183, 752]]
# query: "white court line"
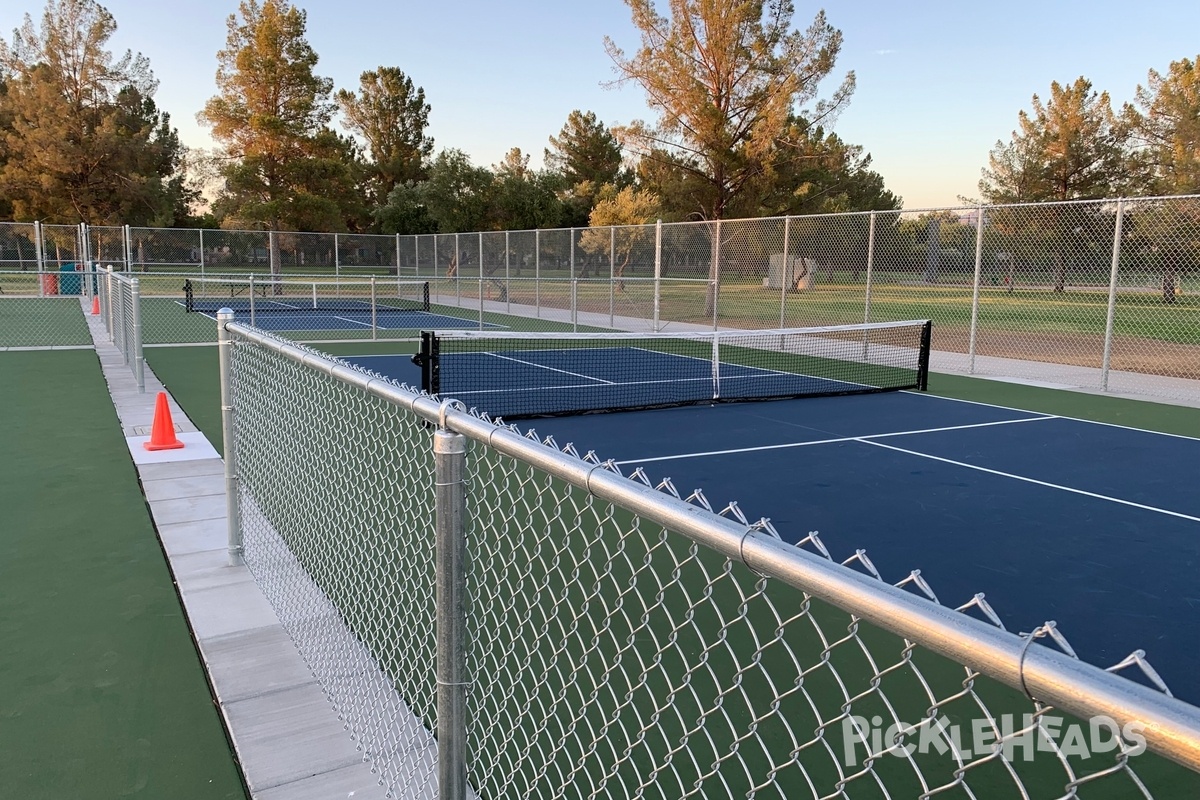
[[705, 379], [1035, 481], [549, 369], [1060, 416], [832, 441]]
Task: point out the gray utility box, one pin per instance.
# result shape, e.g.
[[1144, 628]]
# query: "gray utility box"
[[795, 273]]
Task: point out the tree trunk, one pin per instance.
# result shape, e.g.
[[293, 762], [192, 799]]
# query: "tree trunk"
[[714, 271], [1170, 279]]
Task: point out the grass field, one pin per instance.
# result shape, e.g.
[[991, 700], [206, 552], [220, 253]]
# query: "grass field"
[[101, 690], [601, 643]]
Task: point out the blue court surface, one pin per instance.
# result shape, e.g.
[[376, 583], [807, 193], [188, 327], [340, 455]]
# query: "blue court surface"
[[519, 383], [319, 319], [1092, 525]]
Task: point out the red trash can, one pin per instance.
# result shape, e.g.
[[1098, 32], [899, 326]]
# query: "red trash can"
[[49, 283]]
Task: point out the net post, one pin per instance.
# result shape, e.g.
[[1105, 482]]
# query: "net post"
[[974, 331], [1110, 316], [374, 315], [253, 318], [450, 458], [425, 304], [139, 363], [716, 365], [427, 360], [923, 356], [657, 272], [232, 510]]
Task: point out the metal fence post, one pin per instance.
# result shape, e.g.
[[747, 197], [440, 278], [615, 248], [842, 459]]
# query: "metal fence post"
[[450, 458], [481, 286], [139, 364], [374, 312], [974, 332], [418, 269], [457, 272], [537, 273], [337, 261], [109, 314], [232, 509], [507, 278], [38, 254], [253, 318], [785, 271], [575, 305], [657, 272], [612, 276], [1112, 294], [202, 252], [870, 270], [128, 241]]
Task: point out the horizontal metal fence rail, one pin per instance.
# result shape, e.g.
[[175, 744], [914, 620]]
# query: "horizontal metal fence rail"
[[623, 640]]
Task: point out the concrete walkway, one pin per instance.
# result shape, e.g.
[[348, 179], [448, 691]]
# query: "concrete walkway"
[[289, 741]]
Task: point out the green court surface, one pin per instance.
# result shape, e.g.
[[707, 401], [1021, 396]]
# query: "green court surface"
[[101, 690], [42, 322]]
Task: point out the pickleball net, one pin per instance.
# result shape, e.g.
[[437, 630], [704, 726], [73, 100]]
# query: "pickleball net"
[[292, 296], [520, 375]]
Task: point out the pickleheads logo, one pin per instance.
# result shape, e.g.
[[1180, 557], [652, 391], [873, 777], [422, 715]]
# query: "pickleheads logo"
[[865, 738]]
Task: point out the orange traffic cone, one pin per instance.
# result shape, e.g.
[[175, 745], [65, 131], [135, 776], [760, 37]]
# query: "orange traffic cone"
[[162, 434], [96, 305]]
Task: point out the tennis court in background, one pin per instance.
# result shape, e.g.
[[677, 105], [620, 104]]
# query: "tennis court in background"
[[343, 317], [1092, 525]]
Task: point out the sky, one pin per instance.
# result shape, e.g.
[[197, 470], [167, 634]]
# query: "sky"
[[938, 83]]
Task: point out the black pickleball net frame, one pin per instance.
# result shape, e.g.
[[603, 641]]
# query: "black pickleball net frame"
[[520, 375]]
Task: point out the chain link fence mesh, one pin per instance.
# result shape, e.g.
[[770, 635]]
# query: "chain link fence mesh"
[[1095, 294], [612, 655]]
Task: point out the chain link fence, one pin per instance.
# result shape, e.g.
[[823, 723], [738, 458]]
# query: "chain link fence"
[[119, 303], [1098, 294], [618, 639]]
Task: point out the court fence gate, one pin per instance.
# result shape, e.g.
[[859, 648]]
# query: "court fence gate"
[[493, 615]]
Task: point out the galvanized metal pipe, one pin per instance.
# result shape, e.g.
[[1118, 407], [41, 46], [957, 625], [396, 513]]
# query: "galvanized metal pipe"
[[228, 434], [1171, 728], [450, 458]]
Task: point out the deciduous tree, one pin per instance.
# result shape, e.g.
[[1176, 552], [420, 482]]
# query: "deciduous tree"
[[630, 208]]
